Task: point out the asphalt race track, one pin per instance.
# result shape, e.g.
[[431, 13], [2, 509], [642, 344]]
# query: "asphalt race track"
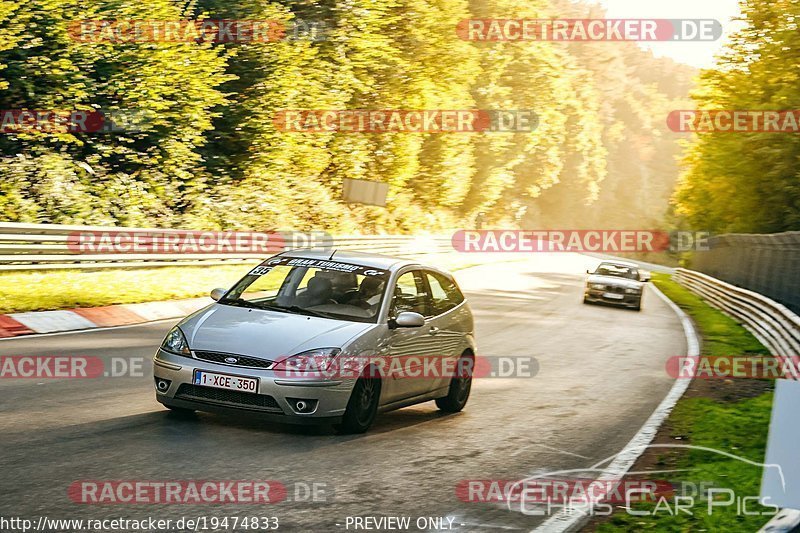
[[601, 376]]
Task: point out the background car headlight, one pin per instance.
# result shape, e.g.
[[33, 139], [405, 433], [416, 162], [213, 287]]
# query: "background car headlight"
[[598, 286], [318, 360], [176, 343], [632, 291]]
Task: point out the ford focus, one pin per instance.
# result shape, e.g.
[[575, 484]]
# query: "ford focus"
[[315, 337]]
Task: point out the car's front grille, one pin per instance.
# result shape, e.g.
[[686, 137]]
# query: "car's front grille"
[[227, 397], [241, 360], [615, 288]]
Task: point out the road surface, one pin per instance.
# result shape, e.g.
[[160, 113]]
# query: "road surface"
[[601, 375]]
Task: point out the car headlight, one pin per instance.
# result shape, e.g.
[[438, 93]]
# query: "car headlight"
[[598, 286], [632, 291], [318, 360], [176, 343]]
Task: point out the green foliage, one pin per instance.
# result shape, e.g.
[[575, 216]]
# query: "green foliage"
[[207, 153], [748, 183], [133, 177]]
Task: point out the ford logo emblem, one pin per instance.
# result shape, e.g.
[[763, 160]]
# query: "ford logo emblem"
[[231, 360]]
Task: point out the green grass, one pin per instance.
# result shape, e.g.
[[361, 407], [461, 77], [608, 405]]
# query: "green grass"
[[66, 289], [721, 334], [738, 427]]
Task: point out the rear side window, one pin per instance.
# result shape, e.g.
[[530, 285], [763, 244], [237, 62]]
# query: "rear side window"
[[444, 293]]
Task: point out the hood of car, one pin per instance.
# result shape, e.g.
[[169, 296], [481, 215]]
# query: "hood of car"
[[265, 334], [615, 281]]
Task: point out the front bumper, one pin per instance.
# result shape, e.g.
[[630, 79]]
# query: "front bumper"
[[275, 398], [599, 296]]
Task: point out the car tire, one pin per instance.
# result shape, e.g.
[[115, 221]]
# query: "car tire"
[[638, 305], [458, 393], [362, 406], [585, 300]]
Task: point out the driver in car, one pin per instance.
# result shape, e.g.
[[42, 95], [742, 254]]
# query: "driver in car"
[[369, 294]]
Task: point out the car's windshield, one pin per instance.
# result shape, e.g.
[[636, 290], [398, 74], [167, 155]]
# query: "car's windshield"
[[619, 271], [315, 287]]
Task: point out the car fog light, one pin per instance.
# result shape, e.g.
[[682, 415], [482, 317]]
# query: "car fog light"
[[301, 405]]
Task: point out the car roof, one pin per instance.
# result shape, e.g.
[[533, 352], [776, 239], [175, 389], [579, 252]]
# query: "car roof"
[[387, 262], [620, 263]]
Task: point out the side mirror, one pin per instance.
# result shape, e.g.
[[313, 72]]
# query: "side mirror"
[[216, 294], [588, 271], [408, 319]]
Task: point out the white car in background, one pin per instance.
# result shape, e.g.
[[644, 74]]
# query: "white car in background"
[[616, 283]]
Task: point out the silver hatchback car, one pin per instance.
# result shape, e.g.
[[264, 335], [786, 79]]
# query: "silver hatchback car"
[[315, 337]]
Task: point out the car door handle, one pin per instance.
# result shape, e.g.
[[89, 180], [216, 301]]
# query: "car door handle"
[[434, 330]]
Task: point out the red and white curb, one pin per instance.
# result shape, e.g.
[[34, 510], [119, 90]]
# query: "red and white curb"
[[18, 324]]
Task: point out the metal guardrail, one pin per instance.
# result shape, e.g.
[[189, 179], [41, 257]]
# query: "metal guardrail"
[[52, 246], [772, 323], [768, 264]]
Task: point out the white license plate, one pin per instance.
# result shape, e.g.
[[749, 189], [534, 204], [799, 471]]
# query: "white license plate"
[[225, 381], [613, 296]]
